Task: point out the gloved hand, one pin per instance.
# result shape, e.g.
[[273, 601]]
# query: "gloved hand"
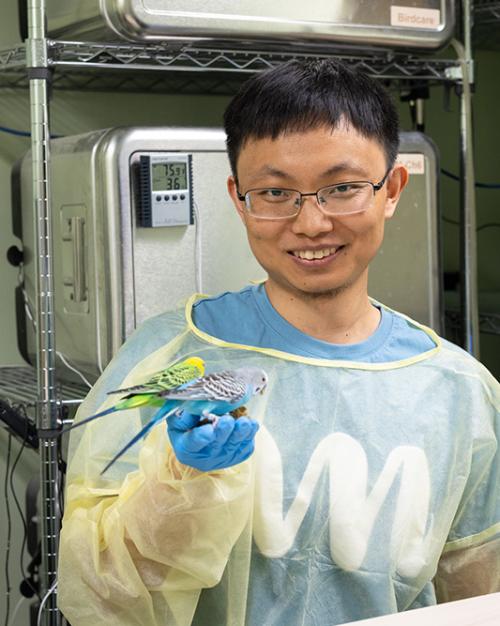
[[210, 447]]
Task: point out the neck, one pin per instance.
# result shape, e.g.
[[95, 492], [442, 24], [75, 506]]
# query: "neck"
[[340, 316]]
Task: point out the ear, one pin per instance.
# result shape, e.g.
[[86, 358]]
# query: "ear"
[[396, 182], [232, 188]]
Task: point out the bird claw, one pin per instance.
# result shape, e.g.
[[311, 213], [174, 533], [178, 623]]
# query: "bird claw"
[[208, 418]]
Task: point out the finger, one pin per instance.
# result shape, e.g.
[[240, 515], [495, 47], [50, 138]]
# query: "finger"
[[183, 421], [244, 429], [223, 429], [198, 438], [242, 453], [255, 427]]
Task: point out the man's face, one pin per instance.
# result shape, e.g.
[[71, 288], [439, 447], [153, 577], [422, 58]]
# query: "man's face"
[[307, 161]]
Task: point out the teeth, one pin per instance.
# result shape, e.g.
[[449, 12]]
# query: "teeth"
[[317, 254]]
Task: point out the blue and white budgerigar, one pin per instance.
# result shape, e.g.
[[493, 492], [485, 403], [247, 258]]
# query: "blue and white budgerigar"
[[148, 393], [207, 398]]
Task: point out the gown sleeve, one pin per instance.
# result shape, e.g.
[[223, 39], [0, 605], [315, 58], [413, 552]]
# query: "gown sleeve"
[[470, 562], [138, 544]]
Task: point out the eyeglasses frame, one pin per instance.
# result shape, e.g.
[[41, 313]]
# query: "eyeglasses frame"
[[376, 187]]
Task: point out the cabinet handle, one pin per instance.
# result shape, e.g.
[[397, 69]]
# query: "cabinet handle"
[[77, 227]]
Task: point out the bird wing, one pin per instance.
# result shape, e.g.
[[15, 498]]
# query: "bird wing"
[[222, 386], [164, 380]]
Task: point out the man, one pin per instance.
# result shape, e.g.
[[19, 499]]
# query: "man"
[[375, 465]]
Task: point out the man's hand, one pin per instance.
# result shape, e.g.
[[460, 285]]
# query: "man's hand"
[[210, 447]]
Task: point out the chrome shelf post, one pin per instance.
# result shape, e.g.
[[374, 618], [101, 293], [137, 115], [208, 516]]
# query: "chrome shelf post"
[[46, 413]]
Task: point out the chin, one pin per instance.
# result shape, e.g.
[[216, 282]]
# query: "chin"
[[328, 289], [325, 292]]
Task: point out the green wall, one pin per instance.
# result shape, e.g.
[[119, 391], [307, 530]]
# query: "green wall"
[[443, 127]]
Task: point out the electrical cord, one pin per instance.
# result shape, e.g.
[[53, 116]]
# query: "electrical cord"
[[22, 410], [18, 606], [9, 530], [198, 249], [477, 184], [21, 133], [73, 369], [29, 313], [13, 131], [42, 603], [488, 225], [62, 473], [482, 227]]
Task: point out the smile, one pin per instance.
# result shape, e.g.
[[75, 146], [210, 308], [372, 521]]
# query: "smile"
[[311, 255]]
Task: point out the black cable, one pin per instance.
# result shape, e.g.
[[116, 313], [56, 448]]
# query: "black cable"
[[62, 473], [476, 184], [489, 225], [482, 227], [9, 531], [20, 408]]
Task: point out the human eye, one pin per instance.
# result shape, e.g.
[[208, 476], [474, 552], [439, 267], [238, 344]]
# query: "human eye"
[[342, 190], [273, 194]]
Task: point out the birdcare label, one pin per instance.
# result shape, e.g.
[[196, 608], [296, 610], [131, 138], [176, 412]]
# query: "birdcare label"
[[413, 17], [414, 162]]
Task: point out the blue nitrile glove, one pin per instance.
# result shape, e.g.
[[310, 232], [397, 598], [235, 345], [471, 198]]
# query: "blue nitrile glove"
[[209, 447]]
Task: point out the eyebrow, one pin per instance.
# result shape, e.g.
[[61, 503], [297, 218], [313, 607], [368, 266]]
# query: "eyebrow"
[[338, 168], [345, 166], [269, 170]]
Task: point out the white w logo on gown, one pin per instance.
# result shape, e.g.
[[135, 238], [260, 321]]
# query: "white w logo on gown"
[[353, 510]]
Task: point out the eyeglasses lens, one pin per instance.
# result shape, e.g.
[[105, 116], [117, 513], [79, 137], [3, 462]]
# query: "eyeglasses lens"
[[334, 200]]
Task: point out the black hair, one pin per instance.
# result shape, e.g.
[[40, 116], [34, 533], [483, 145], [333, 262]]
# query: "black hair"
[[302, 95]]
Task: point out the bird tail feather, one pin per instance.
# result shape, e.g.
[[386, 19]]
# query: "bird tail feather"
[[88, 419], [165, 411]]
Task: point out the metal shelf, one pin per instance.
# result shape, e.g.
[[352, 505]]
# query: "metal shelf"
[[185, 68], [19, 386], [170, 67], [489, 323], [486, 30], [486, 11]]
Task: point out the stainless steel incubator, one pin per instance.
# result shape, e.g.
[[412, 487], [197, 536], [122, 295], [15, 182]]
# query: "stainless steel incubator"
[[141, 220]]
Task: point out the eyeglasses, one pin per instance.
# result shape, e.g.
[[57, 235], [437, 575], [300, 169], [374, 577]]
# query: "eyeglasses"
[[274, 203]]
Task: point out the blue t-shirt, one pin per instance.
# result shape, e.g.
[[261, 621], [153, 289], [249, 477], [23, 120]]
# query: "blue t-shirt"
[[247, 317]]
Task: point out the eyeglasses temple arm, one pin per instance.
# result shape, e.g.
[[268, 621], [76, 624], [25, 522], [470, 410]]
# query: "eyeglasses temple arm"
[[379, 185]]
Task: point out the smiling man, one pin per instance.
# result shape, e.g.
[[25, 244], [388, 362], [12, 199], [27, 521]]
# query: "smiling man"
[[316, 247], [372, 485]]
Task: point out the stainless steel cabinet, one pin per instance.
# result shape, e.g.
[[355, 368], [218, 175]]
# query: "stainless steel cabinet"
[[408, 23], [110, 274]]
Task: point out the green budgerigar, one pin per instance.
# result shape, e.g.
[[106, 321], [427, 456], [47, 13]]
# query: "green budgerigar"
[[147, 393]]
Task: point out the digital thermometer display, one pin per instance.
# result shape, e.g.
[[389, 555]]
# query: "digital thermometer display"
[[165, 189], [169, 176]]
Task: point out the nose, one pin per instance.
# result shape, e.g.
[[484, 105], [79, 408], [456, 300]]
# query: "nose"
[[311, 219]]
